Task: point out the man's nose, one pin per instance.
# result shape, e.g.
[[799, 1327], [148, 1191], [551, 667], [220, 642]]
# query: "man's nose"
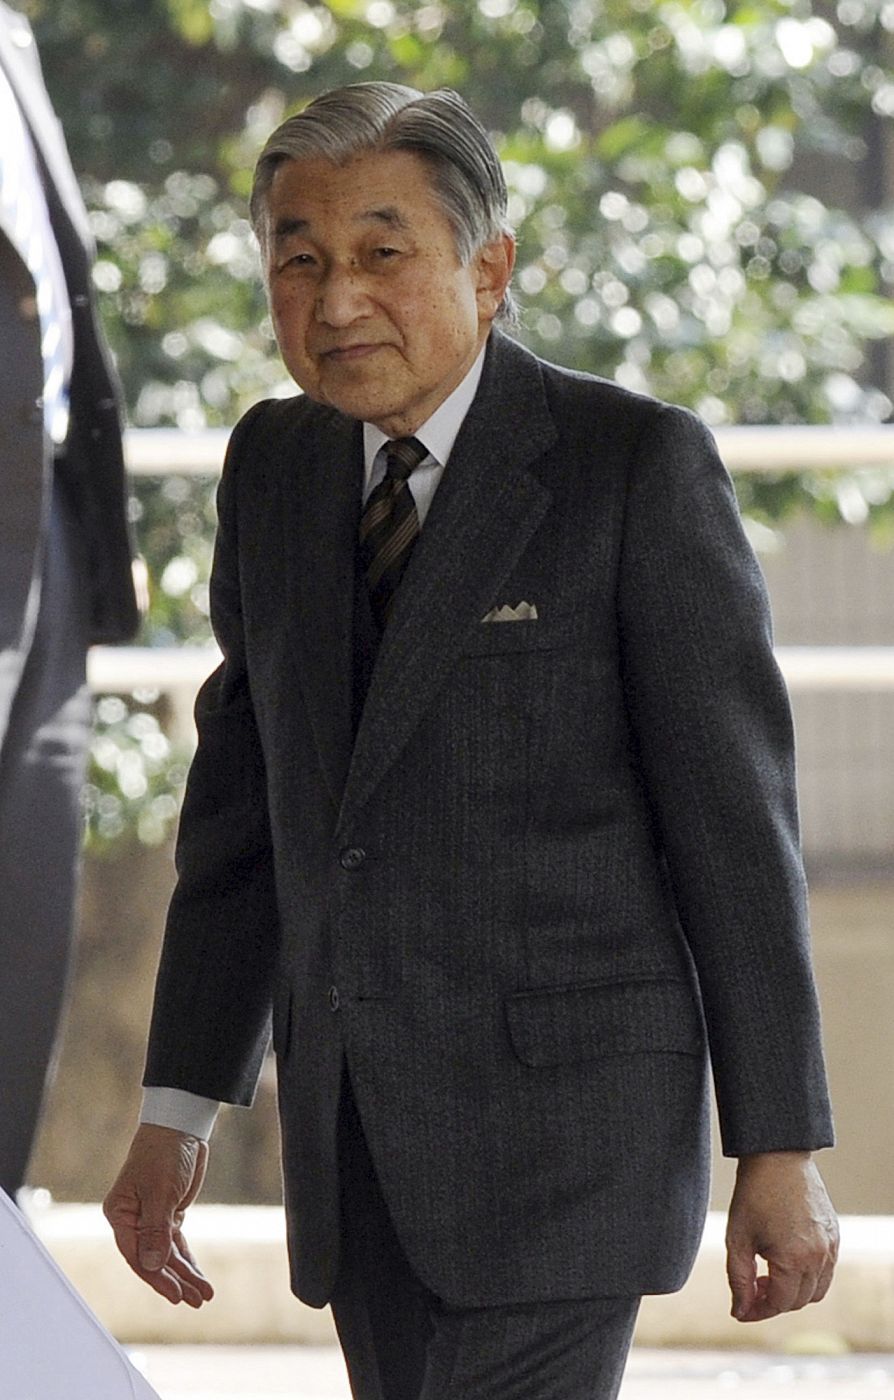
[[342, 295]]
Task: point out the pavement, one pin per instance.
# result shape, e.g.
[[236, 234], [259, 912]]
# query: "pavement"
[[317, 1373]]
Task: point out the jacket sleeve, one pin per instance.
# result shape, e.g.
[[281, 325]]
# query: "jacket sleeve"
[[713, 737], [210, 1022]]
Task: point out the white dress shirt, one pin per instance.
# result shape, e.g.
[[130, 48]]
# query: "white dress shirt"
[[190, 1113]]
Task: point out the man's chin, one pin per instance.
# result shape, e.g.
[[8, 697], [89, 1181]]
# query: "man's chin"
[[356, 393], [353, 405], [355, 402]]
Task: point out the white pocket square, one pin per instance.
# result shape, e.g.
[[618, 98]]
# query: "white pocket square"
[[522, 612]]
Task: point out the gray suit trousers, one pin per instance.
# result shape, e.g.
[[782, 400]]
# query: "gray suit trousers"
[[402, 1343], [42, 756]]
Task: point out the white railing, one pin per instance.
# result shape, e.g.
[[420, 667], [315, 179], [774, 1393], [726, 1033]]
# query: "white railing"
[[182, 669], [808, 448], [168, 451], [159, 451], [178, 671]]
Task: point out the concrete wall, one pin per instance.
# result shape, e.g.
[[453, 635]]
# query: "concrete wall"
[[834, 586]]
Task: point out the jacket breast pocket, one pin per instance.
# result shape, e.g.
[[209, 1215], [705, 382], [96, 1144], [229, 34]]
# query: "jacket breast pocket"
[[567, 1025], [495, 638]]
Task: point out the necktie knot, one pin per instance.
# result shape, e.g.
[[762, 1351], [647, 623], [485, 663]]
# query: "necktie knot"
[[403, 456]]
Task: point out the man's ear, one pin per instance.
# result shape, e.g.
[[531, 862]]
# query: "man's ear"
[[495, 262]]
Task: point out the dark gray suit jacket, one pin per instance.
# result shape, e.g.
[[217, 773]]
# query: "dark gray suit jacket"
[[559, 862], [93, 466]]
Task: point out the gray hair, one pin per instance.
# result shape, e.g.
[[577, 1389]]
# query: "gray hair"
[[439, 127]]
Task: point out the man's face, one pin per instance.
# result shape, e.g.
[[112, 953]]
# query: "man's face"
[[373, 311]]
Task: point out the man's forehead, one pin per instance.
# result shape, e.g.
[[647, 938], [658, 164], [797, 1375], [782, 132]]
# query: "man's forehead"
[[374, 187], [385, 216]]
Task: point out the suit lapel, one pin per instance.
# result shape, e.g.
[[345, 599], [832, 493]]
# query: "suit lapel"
[[486, 508], [321, 508]]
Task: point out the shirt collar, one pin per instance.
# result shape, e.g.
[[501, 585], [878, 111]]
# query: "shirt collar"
[[440, 431]]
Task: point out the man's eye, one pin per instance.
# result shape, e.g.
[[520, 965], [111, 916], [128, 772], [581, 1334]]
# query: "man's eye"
[[385, 253]]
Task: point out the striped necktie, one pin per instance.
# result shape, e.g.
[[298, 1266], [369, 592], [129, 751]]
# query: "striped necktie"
[[389, 526]]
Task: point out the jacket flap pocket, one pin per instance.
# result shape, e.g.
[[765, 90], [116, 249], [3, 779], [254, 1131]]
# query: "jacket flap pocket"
[[562, 1025]]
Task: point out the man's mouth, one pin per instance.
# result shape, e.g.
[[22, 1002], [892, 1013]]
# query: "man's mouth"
[[340, 354]]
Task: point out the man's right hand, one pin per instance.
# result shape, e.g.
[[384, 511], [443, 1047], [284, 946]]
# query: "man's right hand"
[[145, 1207]]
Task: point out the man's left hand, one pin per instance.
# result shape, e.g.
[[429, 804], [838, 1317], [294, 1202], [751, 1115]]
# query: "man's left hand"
[[780, 1211]]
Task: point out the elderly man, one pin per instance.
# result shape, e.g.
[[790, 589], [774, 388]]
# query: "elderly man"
[[493, 807]]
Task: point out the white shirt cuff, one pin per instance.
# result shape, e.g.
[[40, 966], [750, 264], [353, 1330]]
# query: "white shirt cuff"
[[175, 1108]]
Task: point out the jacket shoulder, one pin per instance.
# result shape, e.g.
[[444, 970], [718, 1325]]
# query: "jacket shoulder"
[[584, 405], [277, 431], [579, 396], [261, 427]]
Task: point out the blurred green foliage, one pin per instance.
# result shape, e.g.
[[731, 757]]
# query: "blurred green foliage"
[[697, 186], [136, 774]]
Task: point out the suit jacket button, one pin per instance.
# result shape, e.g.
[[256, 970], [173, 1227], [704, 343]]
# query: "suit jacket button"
[[352, 857], [334, 1000], [28, 308]]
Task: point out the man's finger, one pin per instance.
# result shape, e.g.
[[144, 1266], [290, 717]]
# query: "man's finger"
[[178, 1280], [824, 1282], [759, 1308], [741, 1270], [154, 1244], [163, 1281], [183, 1264], [789, 1288], [122, 1210], [143, 1223]]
